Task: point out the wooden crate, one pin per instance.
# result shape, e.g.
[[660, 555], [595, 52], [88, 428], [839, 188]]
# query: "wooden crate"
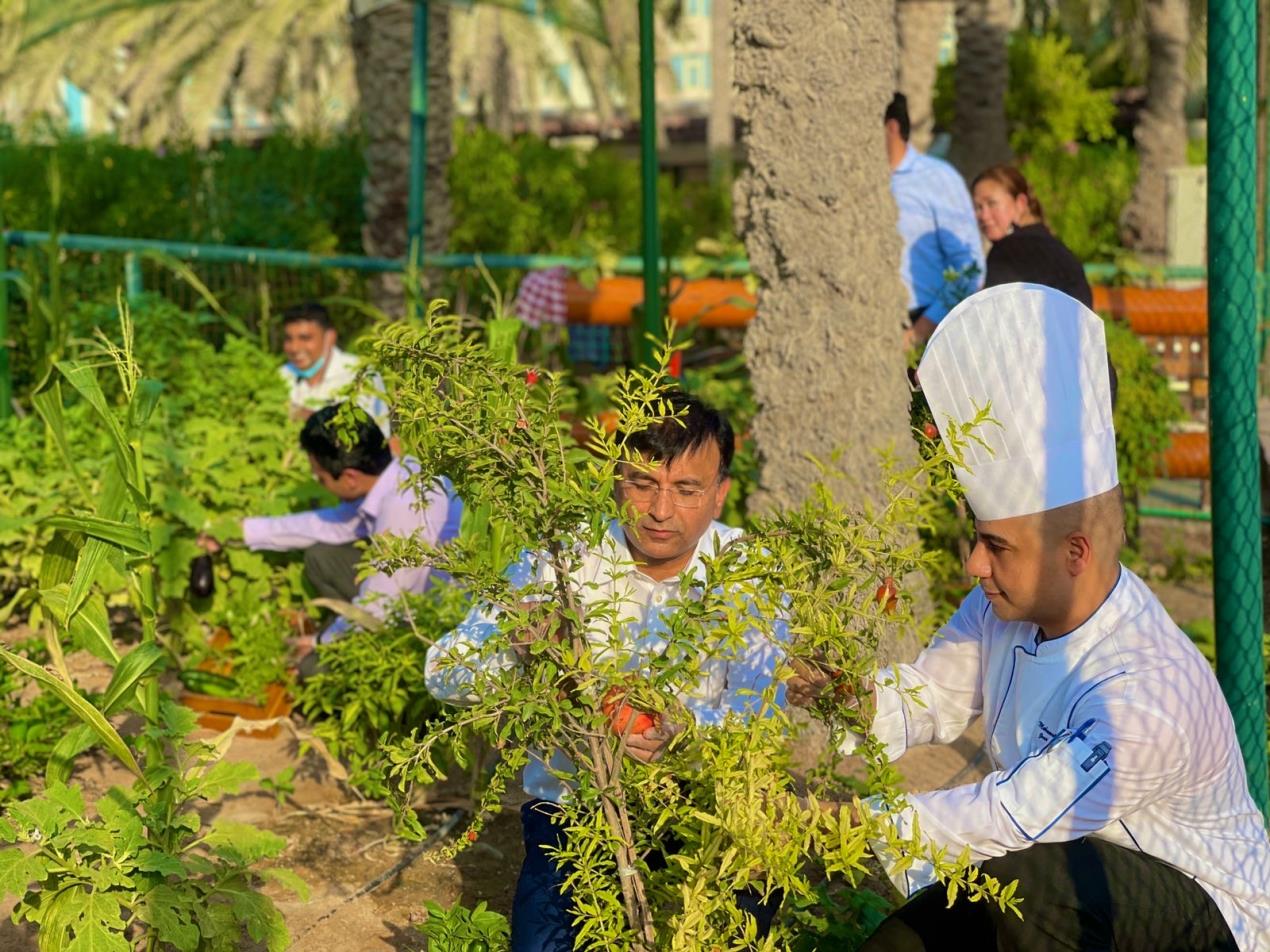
[[218, 713]]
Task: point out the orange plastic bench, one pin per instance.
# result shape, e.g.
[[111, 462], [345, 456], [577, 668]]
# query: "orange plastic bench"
[[1157, 311], [716, 302]]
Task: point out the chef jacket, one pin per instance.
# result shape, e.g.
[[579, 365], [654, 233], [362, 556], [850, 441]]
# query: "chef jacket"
[[1117, 730]]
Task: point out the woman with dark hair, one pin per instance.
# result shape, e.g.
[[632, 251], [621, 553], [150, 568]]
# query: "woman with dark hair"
[[1023, 248]]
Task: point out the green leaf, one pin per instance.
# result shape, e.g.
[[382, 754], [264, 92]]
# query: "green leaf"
[[48, 404], [110, 506], [119, 815], [144, 400], [264, 922], [70, 799], [62, 760], [132, 667], [227, 776], [242, 843], [84, 380], [153, 861], [95, 937], [103, 908], [58, 564], [287, 879], [90, 628], [120, 534], [17, 871], [81, 708], [168, 911], [39, 816]]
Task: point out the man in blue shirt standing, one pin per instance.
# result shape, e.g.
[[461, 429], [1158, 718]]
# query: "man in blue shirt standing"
[[938, 227]]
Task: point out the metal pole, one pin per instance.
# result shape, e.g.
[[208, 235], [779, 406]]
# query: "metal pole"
[[1232, 335], [418, 133], [652, 323], [6, 381], [133, 285]]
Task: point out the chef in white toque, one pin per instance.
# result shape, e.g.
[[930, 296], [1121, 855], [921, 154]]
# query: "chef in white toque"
[[1117, 795]]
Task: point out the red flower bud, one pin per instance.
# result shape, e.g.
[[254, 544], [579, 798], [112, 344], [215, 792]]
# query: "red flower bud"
[[531, 377]]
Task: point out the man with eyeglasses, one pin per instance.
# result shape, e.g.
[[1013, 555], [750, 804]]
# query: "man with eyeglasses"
[[675, 504]]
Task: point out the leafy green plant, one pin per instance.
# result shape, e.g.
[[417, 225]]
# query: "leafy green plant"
[[106, 877], [29, 728], [370, 687], [804, 581], [1050, 102], [459, 929], [1083, 191], [138, 868], [1146, 410]]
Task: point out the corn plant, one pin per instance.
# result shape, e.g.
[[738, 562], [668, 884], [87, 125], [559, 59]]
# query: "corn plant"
[[720, 809], [138, 867]]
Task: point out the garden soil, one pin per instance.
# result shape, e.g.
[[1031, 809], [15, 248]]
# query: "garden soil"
[[368, 888]]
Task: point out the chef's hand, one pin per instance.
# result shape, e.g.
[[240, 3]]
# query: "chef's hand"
[[809, 682]]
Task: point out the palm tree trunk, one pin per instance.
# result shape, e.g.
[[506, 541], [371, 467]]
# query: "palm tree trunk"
[[980, 137], [591, 63], [383, 49], [719, 131], [1161, 132], [819, 225], [920, 26]]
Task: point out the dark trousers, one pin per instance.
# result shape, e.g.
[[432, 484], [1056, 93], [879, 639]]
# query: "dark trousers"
[[1085, 896], [542, 918], [332, 569]]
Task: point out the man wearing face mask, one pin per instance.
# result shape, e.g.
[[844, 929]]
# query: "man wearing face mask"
[[317, 371]]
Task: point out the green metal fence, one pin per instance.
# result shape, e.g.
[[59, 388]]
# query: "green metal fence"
[[1233, 305]]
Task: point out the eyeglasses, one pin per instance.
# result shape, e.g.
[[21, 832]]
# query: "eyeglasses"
[[642, 492]]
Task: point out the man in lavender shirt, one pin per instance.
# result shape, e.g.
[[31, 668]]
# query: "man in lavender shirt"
[[376, 498]]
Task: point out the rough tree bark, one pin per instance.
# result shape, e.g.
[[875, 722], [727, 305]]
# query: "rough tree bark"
[[383, 46], [980, 137], [919, 25], [1161, 131], [819, 224]]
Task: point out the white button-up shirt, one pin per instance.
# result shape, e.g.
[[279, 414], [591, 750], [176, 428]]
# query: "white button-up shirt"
[[1117, 730], [338, 374], [938, 227], [391, 507], [730, 682]]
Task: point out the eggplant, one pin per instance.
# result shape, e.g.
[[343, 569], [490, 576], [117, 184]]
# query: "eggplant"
[[202, 581]]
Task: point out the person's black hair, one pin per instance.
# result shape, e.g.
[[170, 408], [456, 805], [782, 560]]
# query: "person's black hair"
[[344, 436], [308, 311], [897, 109], [695, 424]]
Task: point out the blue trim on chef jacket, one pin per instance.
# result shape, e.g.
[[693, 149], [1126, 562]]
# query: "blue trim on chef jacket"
[[1065, 810]]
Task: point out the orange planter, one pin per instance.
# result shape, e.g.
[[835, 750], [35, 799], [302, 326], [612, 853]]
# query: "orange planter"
[[1186, 457], [716, 302], [218, 713]]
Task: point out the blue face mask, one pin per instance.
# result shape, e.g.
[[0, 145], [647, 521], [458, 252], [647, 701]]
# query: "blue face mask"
[[306, 374]]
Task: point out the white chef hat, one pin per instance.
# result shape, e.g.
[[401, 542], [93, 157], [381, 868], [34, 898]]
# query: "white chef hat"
[[1037, 359]]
